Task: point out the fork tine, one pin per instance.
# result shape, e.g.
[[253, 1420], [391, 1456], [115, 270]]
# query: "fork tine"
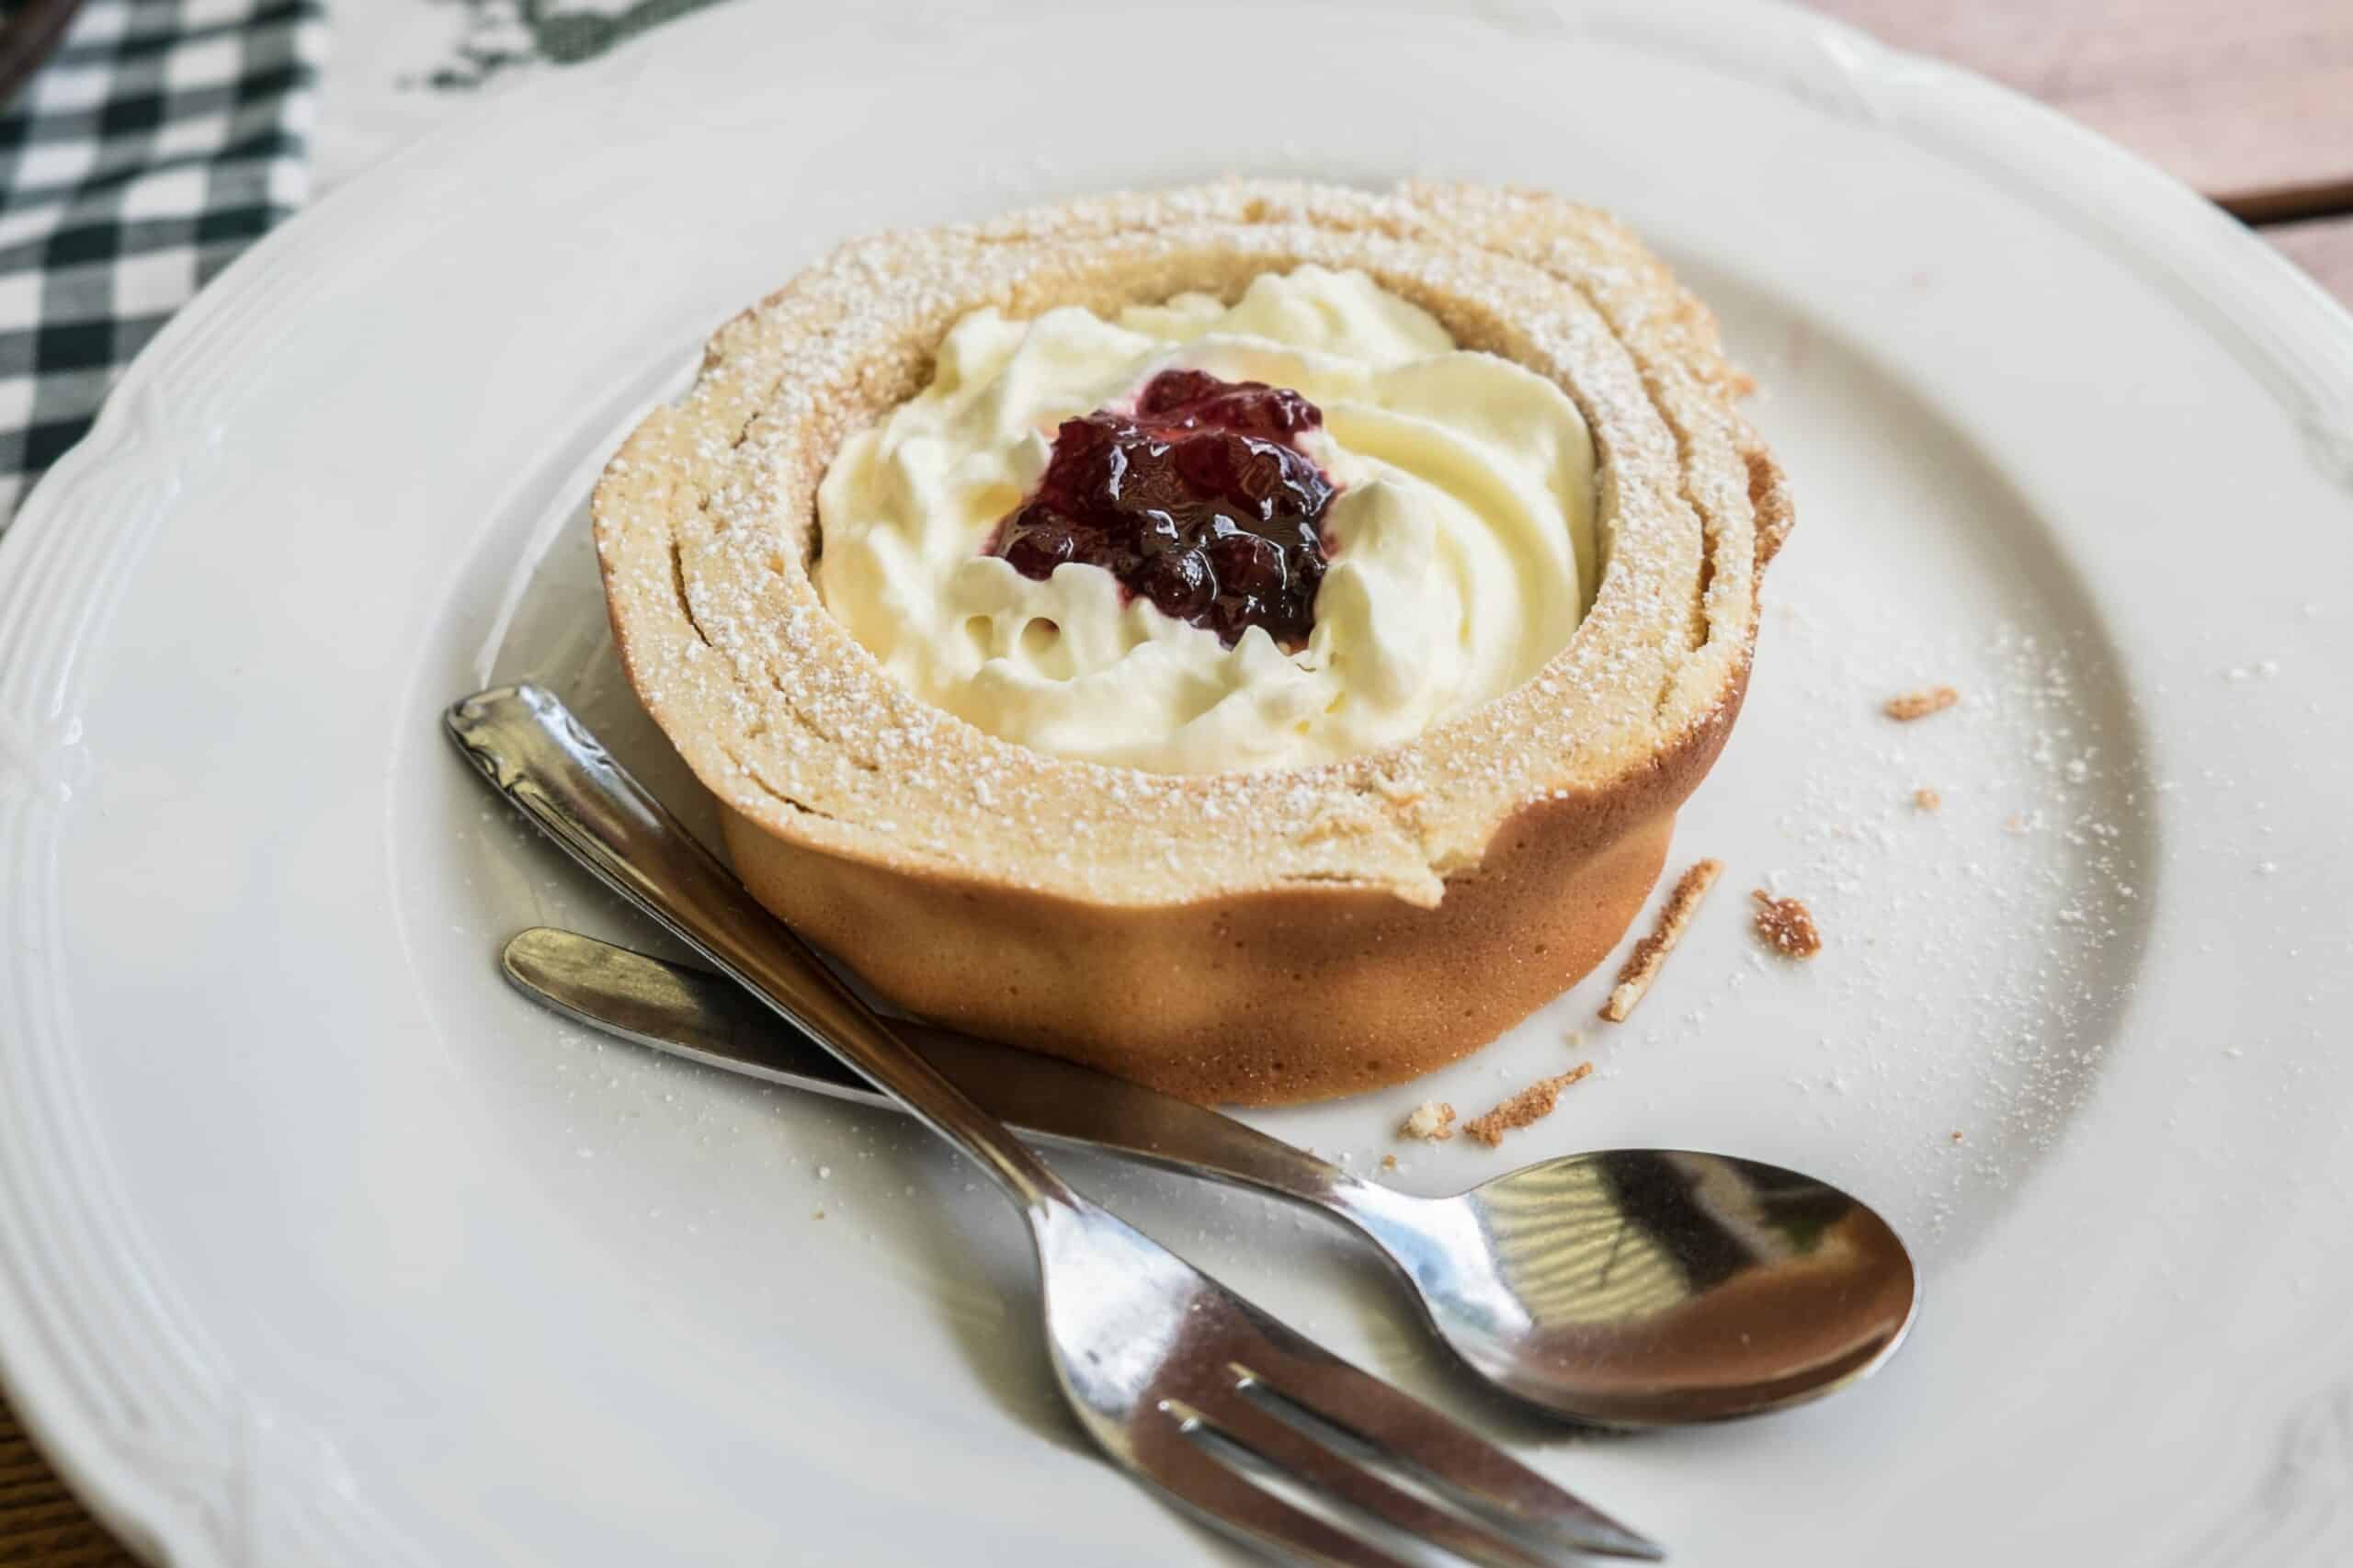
[[1286, 1448], [1448, 1454], [1210, 1489]]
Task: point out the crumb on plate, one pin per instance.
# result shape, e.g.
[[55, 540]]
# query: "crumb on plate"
[[1532, 1104], [1787, 926], [1432, 1121], [1925, 799], [1643, 963], [1920, 704]]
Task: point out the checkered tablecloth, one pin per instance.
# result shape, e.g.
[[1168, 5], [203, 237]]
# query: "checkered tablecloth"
[[161, 139]]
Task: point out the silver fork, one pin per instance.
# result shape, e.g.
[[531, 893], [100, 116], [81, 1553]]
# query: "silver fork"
[[1184, 1384]]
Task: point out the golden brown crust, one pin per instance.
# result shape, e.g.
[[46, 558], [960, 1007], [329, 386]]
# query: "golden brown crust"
[[1295, 995], [1275, 935]]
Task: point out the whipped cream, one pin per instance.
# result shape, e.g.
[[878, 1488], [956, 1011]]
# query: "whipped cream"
[[1463, 543]]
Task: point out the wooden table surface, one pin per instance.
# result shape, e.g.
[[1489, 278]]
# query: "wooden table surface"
[[2251, 102]]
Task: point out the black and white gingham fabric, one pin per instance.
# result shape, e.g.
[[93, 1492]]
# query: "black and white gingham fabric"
[[161, 139]]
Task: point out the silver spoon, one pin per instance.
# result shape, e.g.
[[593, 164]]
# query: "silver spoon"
[[1629, 1288]]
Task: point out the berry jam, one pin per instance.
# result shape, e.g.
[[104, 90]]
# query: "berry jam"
[[1198, 501]]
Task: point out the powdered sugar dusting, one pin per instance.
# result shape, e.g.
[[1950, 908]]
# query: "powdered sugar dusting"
[[2038, 924], [704, 528]]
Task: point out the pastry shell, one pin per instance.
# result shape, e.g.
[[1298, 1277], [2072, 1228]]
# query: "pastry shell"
[[1284, 935]]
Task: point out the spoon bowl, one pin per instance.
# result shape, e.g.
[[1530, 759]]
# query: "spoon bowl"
[[1651, 1287]]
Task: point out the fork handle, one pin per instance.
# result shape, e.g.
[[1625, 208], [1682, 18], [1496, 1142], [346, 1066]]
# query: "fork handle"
[[534, 752]]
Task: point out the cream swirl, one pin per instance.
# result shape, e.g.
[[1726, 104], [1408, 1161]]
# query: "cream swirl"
[[1462, 542]]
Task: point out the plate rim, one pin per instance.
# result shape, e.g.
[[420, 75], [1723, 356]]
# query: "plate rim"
[[82, 528]]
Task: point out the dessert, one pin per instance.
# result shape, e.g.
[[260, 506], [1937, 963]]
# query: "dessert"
[[1194, 632]]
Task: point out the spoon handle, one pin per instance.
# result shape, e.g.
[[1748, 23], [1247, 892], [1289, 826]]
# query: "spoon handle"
[[532, 750], [706, 1018]]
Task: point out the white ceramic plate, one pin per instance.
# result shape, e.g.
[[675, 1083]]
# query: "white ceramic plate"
[[316, 1245]]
